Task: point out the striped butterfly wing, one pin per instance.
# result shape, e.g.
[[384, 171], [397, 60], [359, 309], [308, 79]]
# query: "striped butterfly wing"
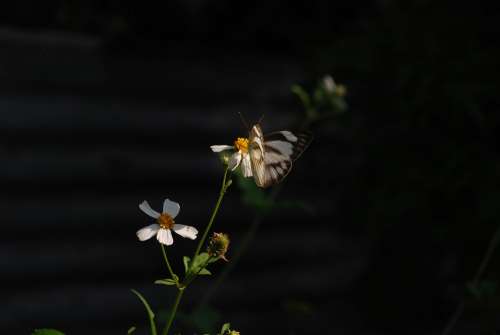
[[289, 143], [272, 159]]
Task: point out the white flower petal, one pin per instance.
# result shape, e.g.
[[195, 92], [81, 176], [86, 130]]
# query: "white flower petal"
[[246, 166], [234, 161], [186, 231], [147, 232], [219, 148], [164, 236], [171, 208], [144, 206]]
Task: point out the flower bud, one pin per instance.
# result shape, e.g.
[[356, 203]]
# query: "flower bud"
[[225, 157], [218, 245], [328, 84], [341, 90], [331, 87]]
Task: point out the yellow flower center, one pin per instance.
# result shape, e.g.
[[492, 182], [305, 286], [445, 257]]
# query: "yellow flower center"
[[165, 221], [241, 144]]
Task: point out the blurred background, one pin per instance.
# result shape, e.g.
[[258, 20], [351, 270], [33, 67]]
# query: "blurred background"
[[386, 225]]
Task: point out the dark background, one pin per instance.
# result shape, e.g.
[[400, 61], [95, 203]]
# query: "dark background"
[[104, 104]]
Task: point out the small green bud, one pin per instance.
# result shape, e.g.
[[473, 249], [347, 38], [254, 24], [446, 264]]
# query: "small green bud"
[[225, 157]]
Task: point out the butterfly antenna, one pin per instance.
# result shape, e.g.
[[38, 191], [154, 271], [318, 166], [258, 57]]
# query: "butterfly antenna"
[[244, 121]]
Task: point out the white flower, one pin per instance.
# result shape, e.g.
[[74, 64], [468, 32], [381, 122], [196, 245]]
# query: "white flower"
[[165, 223], [239, 156]]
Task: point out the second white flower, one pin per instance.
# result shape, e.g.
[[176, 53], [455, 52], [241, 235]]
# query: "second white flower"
[[165, 224]]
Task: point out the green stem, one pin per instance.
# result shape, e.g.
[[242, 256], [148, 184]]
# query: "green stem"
[[171, 318], [173, 312], [487, 257], [495, 240], [164, 252], [243, 246], [214, 213]]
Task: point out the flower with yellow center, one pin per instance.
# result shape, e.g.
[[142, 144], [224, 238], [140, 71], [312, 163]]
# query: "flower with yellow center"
[[164, 224], [165, 221], [240, 155], [241, 144]]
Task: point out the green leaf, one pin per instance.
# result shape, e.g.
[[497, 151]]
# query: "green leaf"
[[151, 315], [201, 259], [199, 263], [47, 331], [168, 282], [302, 95], [319, 95], [225, 328], [204, 272], [198, 266], [186, 261], [213, 259], [131, 330], [145, 303]]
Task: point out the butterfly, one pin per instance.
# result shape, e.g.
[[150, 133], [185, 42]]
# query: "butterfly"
[[268, 159]]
